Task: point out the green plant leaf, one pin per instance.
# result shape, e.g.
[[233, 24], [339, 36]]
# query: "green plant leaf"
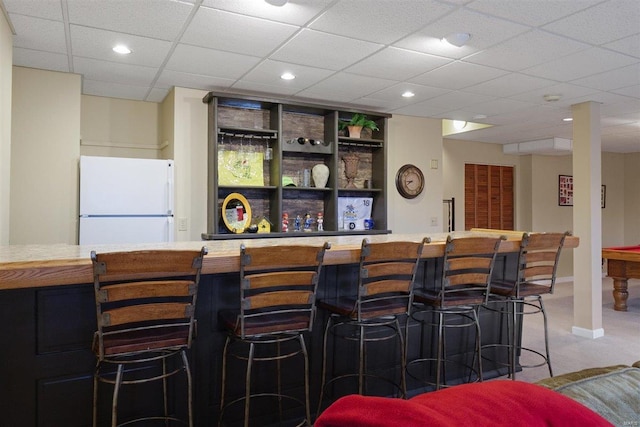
[[358, 119]]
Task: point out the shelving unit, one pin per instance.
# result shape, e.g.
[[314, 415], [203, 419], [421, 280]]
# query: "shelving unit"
[[297, 136]]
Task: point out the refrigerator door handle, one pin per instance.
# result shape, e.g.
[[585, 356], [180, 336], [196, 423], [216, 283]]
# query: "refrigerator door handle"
[[169, 198], [170, 229]]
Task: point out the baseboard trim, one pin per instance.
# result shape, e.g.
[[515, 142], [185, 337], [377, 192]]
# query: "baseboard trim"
[[587, 333]]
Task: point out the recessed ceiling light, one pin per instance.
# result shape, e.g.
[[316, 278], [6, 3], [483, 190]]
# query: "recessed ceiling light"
[[457, 39], [408, 94], [121, 49], [567, 119], [277, 2], [552, 97], [459, 124], [287, 76], [479, 116]]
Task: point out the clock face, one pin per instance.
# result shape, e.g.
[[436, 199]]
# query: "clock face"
[[409, 181]]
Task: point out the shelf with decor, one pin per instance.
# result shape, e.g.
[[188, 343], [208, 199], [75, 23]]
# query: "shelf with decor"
[[287, 158]]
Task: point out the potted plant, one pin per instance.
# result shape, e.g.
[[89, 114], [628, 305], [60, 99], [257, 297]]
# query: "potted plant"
[[358, 122]]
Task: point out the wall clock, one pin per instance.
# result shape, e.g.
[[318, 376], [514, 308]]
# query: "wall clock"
[[409, 181]]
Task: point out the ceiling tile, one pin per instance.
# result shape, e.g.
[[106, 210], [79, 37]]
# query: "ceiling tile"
[[324, 50], [495, 107], [484, 33], [633, 91], [170, 78], [160, 19], [271, 90], [586, 50], [397, 64], [268, 73], [604, 23], [157, 95], [114, 90], [392, 98], [458, 100], [614, 79], [509, 85], [113, 72], [209, 62], [526, 50], [567, 91], [628, 45], [98, 44], [581, 64], [46, 9], [232, 32], [379, 21], [458, 75], [420, 109], [39, 34], [39, 59], [350, 86], [529, 12], [297, 12], [605, 98]]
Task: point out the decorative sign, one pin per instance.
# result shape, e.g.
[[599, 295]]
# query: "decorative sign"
[[240, 168], [353, 211], [565, 190]]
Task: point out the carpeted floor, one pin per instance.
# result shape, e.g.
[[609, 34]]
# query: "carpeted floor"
[[619, 345]]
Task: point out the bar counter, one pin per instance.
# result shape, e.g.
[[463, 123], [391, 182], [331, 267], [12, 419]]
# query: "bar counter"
[[29, 266], [48, 309]]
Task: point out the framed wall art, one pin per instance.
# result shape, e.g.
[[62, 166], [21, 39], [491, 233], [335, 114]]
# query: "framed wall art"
[[565, 190]]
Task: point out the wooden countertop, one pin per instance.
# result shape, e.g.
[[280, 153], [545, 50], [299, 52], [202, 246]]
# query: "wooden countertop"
[[30, 266]]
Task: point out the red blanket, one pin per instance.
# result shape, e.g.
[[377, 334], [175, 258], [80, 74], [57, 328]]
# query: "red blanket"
[[494, 403]]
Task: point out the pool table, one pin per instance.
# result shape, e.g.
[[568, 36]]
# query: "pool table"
[[623, 263]]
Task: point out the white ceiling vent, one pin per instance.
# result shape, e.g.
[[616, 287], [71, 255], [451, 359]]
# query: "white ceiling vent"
[[550, 147]]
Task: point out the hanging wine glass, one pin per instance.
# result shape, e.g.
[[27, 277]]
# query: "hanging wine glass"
[[268, 152]]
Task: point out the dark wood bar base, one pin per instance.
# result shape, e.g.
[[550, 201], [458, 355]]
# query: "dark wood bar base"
[[48, 362]]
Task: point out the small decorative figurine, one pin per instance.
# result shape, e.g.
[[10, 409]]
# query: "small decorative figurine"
[[296, 223], [320, 221], [307, 222], [264, 225], [285, 222]]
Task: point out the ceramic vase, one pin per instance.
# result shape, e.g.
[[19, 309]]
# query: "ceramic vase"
[[320, 174]]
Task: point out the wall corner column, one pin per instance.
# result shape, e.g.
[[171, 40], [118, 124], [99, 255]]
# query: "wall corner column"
[[587, 220]]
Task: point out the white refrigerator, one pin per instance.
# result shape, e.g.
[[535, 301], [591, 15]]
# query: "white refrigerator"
[[125, 200]]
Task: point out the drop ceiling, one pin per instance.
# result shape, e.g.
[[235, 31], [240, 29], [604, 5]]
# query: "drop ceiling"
[[361, 54]]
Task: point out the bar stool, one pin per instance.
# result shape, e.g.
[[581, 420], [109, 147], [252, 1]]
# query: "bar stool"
[[277, 306], [464, 285], [536, 276], [385, 291], [145, 305]]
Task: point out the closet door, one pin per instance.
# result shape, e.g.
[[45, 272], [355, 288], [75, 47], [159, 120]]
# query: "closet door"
[[488, 197]]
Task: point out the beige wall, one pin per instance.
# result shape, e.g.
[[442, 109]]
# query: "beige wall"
[[630, 198], [190, 155], [617, 225], [537, 191], [6, 62], [120, 128], [44, 156], [417, 141], [457, 154]]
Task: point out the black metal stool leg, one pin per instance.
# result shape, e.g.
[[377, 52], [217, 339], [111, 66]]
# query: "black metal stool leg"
[[247, 385]]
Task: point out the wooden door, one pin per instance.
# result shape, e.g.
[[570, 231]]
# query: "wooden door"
[[488, 197]]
